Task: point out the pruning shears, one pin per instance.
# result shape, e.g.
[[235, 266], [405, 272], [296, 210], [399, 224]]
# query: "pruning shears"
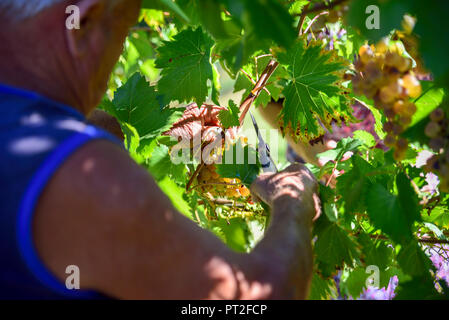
[[263, 150]]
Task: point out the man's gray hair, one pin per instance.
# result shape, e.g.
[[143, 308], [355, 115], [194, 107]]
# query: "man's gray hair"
[[21, 9]]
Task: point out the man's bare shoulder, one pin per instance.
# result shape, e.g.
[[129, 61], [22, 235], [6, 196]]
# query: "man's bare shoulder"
[[92, 199], [100, 174]]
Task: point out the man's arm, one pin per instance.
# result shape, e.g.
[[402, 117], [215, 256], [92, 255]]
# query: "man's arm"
[[104, 213]]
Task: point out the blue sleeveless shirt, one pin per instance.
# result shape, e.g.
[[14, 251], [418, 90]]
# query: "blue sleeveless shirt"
[[36, 136]]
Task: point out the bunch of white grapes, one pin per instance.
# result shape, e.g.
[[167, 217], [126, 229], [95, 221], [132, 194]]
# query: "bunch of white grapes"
[[385, 75]]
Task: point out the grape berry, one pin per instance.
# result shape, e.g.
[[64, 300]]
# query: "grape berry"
[[211, 183], [438, 132], [384, 75]]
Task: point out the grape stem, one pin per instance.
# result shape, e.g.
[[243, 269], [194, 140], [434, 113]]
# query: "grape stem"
[[422, 240], [253, 81], [195, 173], [321, 6], [224, 202], [215, 184], [309, 26], [334, 169], [302, 18], [258, 87]]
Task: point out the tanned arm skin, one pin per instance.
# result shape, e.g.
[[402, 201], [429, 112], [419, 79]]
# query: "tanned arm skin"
[[104, 213]]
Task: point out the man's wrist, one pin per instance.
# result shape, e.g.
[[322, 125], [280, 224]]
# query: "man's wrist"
[[292, 208]]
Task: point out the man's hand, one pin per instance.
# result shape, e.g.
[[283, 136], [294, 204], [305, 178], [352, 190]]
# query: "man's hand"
[[292, 194], [295, 185]]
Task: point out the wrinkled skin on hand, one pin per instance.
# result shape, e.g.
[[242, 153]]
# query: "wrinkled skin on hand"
[[295, 184]]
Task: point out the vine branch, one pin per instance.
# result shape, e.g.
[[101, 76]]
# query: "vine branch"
[[258, 87], [422, 240], [321, 6], [309, 26], [302, 18], [252, 80]]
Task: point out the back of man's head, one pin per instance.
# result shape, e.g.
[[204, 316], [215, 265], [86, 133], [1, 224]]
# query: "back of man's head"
[[63, 49]]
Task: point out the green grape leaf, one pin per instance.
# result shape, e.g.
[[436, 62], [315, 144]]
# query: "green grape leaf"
[[141, 41], [160, 165], [367, 138], [151, 17], [433, 40], [418, 288], [435, 230], [378, 126], [230, 117], [138, 104], [408, 198], [132, 142], [166, 5], [393, 214], [192, 10], [176, 194], [234, 232], [274, 86], [243, 33], [245, 30], [343, 146], [312, 94], [429, 100], [207, 13], [327, 196], [239, 162], [256, 15], [320, 288], [375, 252], [210, 15], [107, 106], [354, 185], [389, 14], [349, 43], [334, 247], [216, 86], [355, 282], [326, 270], [237, 47], [131, 137], [439, 216], [413, 260], [186, 67], [297, 6]]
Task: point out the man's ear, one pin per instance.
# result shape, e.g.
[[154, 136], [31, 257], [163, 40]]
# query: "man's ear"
[[91, 14]]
